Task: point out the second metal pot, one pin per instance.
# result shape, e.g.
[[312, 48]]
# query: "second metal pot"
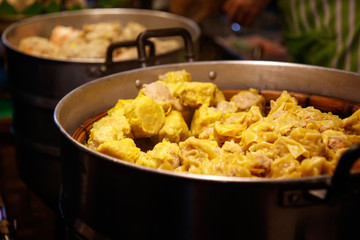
[[37, 84]]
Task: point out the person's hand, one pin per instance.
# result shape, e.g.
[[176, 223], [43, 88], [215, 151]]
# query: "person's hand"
[[270, 50], [244, 12]]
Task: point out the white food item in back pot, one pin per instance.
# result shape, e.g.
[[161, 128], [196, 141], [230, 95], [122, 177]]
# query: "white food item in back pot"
[[39, 46], [92, 41]]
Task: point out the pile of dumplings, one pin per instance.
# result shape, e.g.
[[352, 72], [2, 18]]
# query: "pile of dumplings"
[[92, 41], [182, 125]]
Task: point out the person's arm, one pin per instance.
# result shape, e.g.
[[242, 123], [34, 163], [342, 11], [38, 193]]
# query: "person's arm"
[[196, 10], [244, 12]]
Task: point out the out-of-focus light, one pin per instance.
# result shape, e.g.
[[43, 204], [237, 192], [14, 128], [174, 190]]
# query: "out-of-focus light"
[[235, 27]]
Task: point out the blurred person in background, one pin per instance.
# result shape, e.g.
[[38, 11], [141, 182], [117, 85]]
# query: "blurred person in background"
[[197, 10], [202, 10], [317, 32]]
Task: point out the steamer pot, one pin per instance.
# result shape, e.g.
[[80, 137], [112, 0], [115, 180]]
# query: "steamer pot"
[[37, 84], [104, 198]]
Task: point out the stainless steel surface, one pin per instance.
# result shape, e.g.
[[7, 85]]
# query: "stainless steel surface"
[[103, 197], [37, 84]]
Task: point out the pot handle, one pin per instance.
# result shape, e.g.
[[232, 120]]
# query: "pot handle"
[[339, 181], [336, 188], [164, 32], [109, 53]]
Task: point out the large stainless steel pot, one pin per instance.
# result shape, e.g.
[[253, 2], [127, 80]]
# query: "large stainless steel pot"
[[104, 198], [37, 84]]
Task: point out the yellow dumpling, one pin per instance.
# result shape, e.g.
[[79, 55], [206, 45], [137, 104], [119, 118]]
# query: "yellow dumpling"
[[174, 129], [176, 76], [282, 104], [120, 107], [165, 155], [285, 167], [286, 122], [335, 140], [204, 118], [315, 166], [245, 99], [261, 131], [265, 148], [194, 151], [232, 125], [352, 123], [318, 120], [145, 117], [258, 164], [310, 139], [160, 93], [109, 128], [194, 94], [235, 165], [124, 149], [284, 146]]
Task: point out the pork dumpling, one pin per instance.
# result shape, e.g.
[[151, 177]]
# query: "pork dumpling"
[[160, 93], [194, 94], [219, 97], [193, 152], [227, 132], [226, 107], [235, 166], [145, 117], [258, 164], [231, 147], [74, 48], [131, 31], [318, 120], [261, 131], [233, 124], [285, 145], [245, 99], [80, 49], [165, 155], [104, 30], [352, 123], [114, 126], [176, 76], [311, 140], [315, 166], [109, 128], [174, 129], [233, 160], [204, 118], [283, 104], [285, 167], [124, 149], [61, 34], [120, 108], [286, 122], [38, 46], [337, 141]]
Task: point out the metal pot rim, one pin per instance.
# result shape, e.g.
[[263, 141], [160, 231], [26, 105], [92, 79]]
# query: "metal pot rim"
[[91, 12]]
